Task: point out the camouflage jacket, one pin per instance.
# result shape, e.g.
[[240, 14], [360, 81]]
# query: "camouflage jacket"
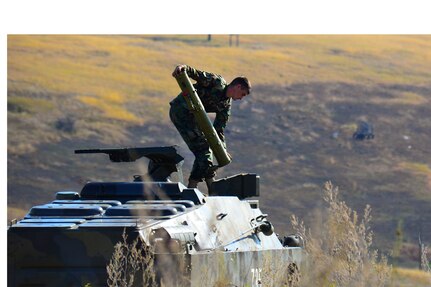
[[211, 89]]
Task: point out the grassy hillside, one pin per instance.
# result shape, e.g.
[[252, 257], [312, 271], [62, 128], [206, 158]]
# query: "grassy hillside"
[[295, 130], [127, 79]]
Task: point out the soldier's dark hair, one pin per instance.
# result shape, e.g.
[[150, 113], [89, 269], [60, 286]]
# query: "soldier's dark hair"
[[243, 81]]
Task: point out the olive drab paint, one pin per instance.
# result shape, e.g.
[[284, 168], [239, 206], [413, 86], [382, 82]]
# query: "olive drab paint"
[[196, 107]]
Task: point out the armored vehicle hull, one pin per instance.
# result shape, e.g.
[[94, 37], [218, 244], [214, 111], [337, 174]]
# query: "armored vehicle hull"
[[195, 240]]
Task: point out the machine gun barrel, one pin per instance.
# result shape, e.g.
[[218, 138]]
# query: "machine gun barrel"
[[195, 105]]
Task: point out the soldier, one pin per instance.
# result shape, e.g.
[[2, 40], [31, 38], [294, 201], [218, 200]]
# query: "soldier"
[[216, 96]]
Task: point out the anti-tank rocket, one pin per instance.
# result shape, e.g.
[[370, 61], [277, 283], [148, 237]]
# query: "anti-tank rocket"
[[195, 105]]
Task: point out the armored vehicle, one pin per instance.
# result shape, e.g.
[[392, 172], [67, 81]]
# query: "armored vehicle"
[[182, 237]]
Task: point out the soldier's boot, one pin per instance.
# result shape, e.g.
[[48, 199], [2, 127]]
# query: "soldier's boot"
[[209, 182], [193, 183]]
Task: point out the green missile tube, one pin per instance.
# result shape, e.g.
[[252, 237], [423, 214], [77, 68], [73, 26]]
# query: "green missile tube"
[[205, 125]]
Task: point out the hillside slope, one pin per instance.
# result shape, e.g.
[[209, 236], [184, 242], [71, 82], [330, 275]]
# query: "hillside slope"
[[295, 130]]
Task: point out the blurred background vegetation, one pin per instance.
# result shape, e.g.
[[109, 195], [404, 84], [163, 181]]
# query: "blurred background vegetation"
[[67, 92]]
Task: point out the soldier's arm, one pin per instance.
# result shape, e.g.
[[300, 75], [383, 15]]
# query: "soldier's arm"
[[205, 79]]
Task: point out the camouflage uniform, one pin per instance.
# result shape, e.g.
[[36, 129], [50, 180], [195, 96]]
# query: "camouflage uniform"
[[211, 89]]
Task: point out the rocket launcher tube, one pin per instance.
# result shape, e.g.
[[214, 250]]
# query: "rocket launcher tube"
[[204, 123]]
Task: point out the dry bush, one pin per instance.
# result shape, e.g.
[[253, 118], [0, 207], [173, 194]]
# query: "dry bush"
[[339, 251], [135, 264], [425, 263], [129, 260], [338, 254], [276, 274]]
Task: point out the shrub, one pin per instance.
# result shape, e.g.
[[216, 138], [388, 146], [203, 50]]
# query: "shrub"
[[339, 252], [130, 260]]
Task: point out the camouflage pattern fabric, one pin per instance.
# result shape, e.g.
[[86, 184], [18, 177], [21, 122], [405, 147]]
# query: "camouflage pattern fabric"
[[211, 89], [186, 125]]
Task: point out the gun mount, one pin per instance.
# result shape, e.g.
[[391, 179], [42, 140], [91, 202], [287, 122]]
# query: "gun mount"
[[163, 160]]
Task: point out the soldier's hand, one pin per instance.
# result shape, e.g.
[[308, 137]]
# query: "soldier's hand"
[[178, 70], [220, 135]]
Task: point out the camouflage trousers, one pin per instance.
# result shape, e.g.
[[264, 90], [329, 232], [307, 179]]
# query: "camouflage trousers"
[[186, 125]]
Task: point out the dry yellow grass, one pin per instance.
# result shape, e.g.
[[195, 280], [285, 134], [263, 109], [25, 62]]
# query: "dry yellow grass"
[[133, 68], [420, 169], [16, 213], [410, 277], [339, 251], [30, 105], [110, 108]]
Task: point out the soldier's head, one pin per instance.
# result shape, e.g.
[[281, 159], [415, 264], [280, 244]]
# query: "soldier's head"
[[239, 88]]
